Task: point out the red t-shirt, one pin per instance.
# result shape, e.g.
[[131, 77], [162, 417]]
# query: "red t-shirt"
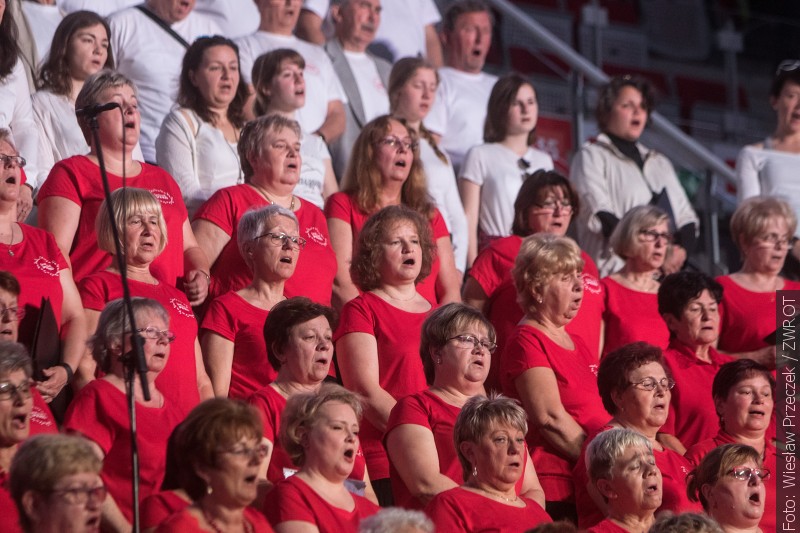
[[178, 380], [8, 509], [746, 317], [78, 179], [576, 376], [37, 264], [100, 413], [233, 318], [692, 415], [270, 404], [492, 271], [431, 412], [397, 333], [294, 499], [340, 205], [769, 520], [158, 507], [674, 469], [316, 264], [466, 511], [185, 523], [631, 316], [607, 526]]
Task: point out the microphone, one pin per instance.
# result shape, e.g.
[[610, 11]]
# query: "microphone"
[[94, 110]]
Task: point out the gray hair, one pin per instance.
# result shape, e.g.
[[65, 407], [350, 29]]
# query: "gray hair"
[[251, 141], [685, 523], [606, 449], [93, 87], [623, 238], [14, 356], [114, 323], [254, 222], [396, 520]]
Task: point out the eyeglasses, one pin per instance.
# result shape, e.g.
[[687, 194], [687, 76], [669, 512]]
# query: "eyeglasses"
[[81, 495], [788, 66], [259, 452], [154, 333], [9, 391], [280, 239], [649, 235], [396, 142], [551, 205], [650, 383], [9, 161], [12, 313], [774, 239], [471, 341], [743, 473]]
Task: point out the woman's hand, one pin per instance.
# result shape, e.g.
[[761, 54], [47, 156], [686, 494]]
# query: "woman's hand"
[[56, 380], [675, 260], [24, 203], [196, 286]]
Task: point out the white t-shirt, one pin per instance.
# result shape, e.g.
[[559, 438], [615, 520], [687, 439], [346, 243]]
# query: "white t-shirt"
[[235, 17], [443, 189], [373, 93], [402, 29], [322, 84], [16, 114], [152, 58], [197, 156], [101, 7], [459, 111], [314, 153], [496, 169], [43, 20]]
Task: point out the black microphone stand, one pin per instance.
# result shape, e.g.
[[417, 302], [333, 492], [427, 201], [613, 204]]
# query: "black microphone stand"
[[133, 360]]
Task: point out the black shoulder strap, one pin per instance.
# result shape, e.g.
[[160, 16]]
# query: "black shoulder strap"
[[164, 26]]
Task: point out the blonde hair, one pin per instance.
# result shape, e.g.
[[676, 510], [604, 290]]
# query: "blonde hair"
[[127, 202], [541, 257]]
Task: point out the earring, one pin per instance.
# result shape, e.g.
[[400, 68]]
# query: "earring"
[[439, 361], [209, 490], [474, 471], [539, 299]]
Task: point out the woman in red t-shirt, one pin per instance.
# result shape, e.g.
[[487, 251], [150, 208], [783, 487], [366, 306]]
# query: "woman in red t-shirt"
[[385, 170], [233, 326], [377, 342]]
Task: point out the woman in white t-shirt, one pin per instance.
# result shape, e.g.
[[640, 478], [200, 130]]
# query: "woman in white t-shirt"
[[79, 49], [198, 139], [412, 89], [492, 173], [280, 89]]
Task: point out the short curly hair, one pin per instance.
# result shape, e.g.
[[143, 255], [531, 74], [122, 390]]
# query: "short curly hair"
[[284, 317], [752, 216], [368, 254], [612, 376], [541, 257], [610, 92], [302, 411], [534, 190]]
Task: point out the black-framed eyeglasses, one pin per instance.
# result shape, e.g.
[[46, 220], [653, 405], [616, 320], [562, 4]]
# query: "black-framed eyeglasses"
[[649, 235], [81, 495], [9, 391], [774, 239], [650, 383], [259, 452], [152, 332], [9, 161], [471, 341], [396, 142], [551, 205], [787, 65], [744, 473], [14, 313], [280, 239]]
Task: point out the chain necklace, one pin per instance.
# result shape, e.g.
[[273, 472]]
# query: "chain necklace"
[[11, 241], [270, 200], [248, 527]]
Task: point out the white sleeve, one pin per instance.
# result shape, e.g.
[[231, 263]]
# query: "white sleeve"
[[45, 129], [176, 153], [23, 127], [473, 169], [429, 12], [457, 222], [681, 206], [318, 7], [748, 166], [333, 87], [234, 17], [436, 121], [101, 7], [587, 172]]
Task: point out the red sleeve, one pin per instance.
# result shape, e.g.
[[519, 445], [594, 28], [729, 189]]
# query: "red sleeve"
[[487, 272], [339, 206], [357, 317], [524, 351], [157, 508], [219, 210], [61, 182], [445, 514], [266, 410], [93, 292], [219, 320], [408, 410], [86, 416], [439, 226], [286, 502], [696, 453]]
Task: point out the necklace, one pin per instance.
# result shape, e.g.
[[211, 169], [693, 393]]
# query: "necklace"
[[408, 299], [248, 527], [11, 242], [498, 496], [270, 200]]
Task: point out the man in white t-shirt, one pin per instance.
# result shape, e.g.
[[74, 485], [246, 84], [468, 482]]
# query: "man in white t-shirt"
[[459, 110], [412, 31], [323, 112], [151, 57], [364, 77]]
